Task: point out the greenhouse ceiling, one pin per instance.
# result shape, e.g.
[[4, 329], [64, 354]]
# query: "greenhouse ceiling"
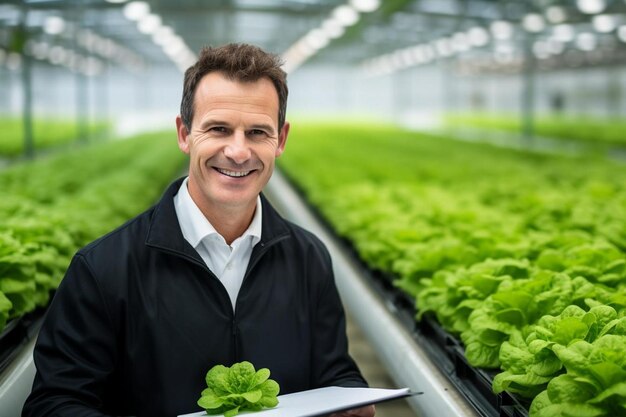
[[382, 36]]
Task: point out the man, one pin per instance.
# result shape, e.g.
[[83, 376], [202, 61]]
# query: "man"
[[210, 275]]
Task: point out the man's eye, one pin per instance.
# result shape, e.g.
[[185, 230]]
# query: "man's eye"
[[257, 132], [218, 129]]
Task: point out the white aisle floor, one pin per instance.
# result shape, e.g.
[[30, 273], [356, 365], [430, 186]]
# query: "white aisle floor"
[[375, 373]]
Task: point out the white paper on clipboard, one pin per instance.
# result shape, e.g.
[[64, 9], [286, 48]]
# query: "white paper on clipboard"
[[322, 401]]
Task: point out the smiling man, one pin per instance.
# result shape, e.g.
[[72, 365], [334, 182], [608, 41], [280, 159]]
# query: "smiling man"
[[232, 138], [210, 275]]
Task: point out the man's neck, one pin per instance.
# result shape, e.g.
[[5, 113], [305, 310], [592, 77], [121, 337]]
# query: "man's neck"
[[230, 223]]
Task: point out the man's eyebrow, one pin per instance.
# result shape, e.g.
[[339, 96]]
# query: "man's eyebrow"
[[219, 122], [212, 121], [263, 126]]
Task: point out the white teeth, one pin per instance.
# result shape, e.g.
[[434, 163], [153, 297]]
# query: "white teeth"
[[235, 174]]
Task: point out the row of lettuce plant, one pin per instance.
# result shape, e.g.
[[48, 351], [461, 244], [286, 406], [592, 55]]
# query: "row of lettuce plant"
[[52, 206], [522, 256], [592, 130], [47, 133]]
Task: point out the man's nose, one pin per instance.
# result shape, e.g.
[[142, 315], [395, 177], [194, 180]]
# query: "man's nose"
[[237, 148]]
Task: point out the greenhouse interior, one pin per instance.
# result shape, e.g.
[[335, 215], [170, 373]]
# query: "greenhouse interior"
[[462, 161]]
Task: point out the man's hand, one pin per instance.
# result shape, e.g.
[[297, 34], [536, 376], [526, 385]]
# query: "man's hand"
[[368, 411]]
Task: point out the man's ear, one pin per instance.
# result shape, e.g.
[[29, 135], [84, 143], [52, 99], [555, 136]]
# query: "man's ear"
[[282, 139], [183, 135]]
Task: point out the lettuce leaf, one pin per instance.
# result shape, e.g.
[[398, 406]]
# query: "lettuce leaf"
[[238, 388], [531, 360], [594, 383]]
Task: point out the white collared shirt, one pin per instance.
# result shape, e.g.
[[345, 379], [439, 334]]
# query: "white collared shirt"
[[228, 263]]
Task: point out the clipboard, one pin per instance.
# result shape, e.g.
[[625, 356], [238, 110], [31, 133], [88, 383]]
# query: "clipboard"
[[324, 401]]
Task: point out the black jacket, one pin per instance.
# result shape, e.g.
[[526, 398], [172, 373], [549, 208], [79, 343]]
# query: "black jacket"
[[139, 319]]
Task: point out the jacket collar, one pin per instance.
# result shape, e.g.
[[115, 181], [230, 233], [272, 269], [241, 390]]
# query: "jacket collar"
[[165, 233]]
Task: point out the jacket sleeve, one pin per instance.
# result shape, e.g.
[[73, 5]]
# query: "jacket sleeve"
[[75, 349], [332, 363]]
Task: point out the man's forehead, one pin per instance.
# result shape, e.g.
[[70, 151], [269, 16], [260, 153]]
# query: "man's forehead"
[[227, 113], [229, 103], [216, 93], [218, 80], [222, 99]]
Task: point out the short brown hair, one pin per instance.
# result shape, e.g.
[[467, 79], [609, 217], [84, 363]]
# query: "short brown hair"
[[240, 62]]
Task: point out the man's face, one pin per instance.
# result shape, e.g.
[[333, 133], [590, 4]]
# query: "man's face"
[[233, 141]]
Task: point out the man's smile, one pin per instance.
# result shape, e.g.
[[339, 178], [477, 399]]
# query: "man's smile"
[[234, 174]]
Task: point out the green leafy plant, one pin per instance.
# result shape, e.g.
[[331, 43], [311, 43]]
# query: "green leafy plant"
[[516, 253], [594, 383], [48, 132], [52, 206], [238, 388], [529, 358], [592, 130]]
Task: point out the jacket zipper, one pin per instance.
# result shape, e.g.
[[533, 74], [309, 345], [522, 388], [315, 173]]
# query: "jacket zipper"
[[259, 255], [233, 322], [235, 344], [253, 262]]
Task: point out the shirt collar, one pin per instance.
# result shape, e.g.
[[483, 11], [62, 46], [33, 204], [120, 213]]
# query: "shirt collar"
[[195, 227]]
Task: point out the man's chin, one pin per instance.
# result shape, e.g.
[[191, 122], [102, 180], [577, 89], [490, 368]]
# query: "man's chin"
[[238, 201]]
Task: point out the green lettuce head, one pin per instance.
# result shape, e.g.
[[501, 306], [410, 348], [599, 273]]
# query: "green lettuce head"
[[238, 388]]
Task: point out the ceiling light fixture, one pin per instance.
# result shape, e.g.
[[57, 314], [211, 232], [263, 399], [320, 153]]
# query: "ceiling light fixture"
[[563, 32], [365, 6], [162, 35], [460, 42], [317, 39], [604, 23], [54, 25], [556, 14], [333, 27], [586, 41], [478, 36], [591, 6], [501, 29], [556, 47], [533, 22], [346, 15], [136, 10], [149, 24], [443, 46]]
